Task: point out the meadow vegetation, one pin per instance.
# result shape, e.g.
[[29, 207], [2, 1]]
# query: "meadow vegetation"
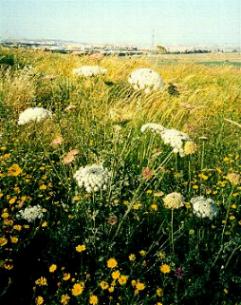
[[128, 243]]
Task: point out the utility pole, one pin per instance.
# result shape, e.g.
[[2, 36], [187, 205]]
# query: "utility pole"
[[153, 40]]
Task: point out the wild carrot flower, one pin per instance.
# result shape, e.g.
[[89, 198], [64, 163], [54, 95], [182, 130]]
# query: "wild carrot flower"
[[204, 207], [175, 138], [30, 214], [88, 71], [36, 114], [173, 201], [146, 79], [92, 177]]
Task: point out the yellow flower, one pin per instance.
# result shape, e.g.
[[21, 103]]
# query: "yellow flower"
[[39, 300], [66, 276], [8, 266], [154, 207], [133, 283], [123, 279], [80, 248], [44, 224], [203, 176], [17, 227], [12, 200], [3, 241], [43, 187], [140, 286], [190, 148], [164, 268], [115, 275], [5, 215], [234, 178], [8, 222], [137, 206], [111, 289], [78, 289], [52, 268], [104, 285], [159, 303], [142, 253], [93, 300], [14, 239], [14, 170], [42, 281], [112, 263], [132, 257], [162, 254], [159, 292], [64, 299]]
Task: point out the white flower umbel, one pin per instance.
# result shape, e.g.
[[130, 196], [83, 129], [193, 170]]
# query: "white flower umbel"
[[92, 177], [157, 128], [89, 71], [204, 207], [146, 79], [175, 138], [36, 114], [30, 214], [173, 201]]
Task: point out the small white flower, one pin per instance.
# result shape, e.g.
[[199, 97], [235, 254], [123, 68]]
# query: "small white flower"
[[157, 128], [36, 114], [204, 207], [89, 71], [175, 138], [30, 214], [92, 177], [146, 79]]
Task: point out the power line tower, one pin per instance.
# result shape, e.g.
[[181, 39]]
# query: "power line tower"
[[153, 39]]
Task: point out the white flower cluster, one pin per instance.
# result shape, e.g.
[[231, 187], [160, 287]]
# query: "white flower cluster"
[[173, 201], [156, 128], [30, 214], [204, 207], [146, 79], [92, 177], [175, 138], [89, 71], [36, 114]]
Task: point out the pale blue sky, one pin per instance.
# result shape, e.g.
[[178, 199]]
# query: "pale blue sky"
[[174, 22]]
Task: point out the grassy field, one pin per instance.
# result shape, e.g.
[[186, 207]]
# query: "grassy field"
[[127, 243]]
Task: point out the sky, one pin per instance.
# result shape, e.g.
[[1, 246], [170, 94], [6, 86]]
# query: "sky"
[[138, 22]]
